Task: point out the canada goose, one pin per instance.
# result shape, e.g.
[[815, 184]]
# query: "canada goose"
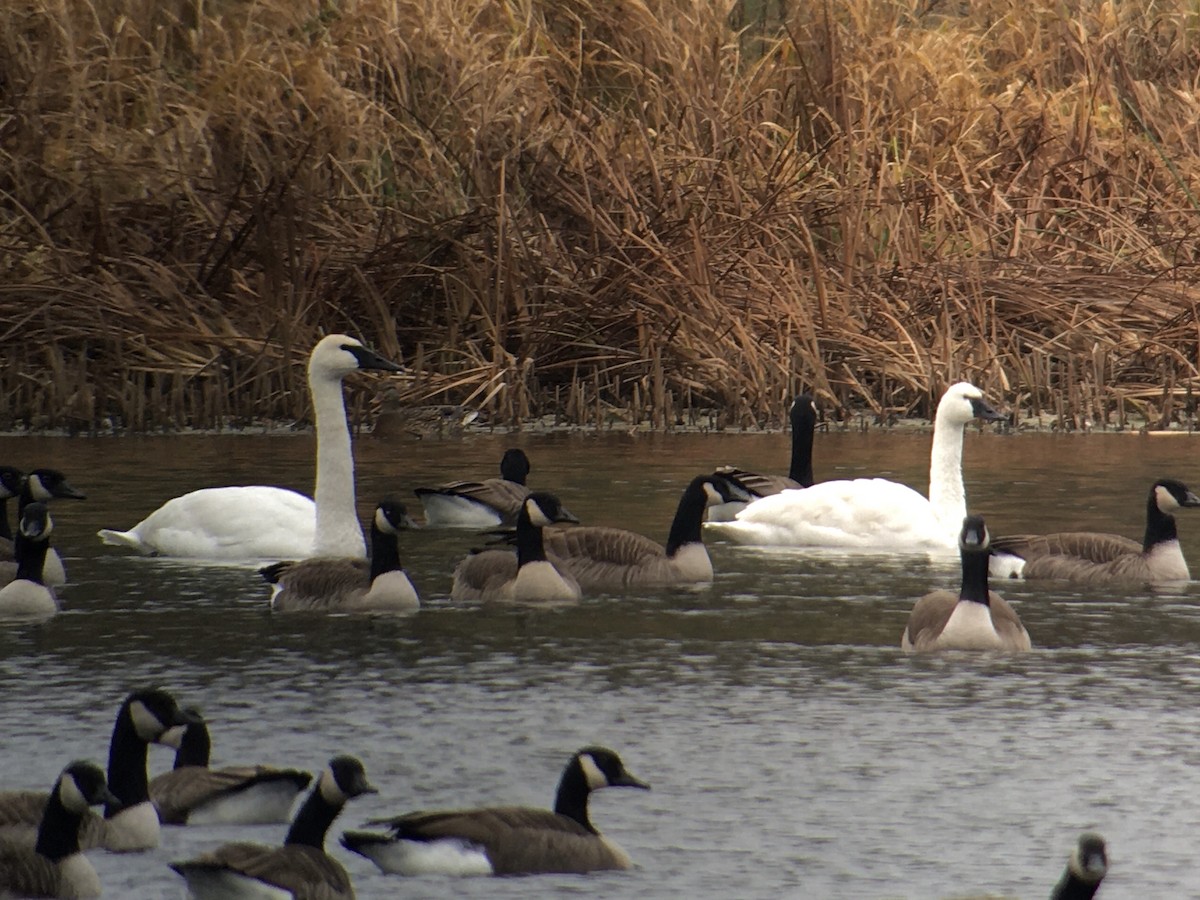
[[301, 866], [803, 416], [257, 522], [874, 513], [42, 486], [975, 618], [1103, 558], [27, 596], [526, 576], [396, 420], [506, 840], [602, 558], [194, 794], [479, 504], [11, 481], [1086, 868], [55, 866], [146, 717], [343, 584]]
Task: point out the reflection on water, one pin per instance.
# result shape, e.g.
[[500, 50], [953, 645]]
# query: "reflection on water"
[[793, 750]]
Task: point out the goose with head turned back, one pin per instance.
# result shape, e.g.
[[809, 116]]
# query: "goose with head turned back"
[[875, 513], [1094, 558], [526, 576], [40, 486], [479, 504], [506, 840], [976, 618], [27, 596], [54, 866], [1086, 868], [256, 522], [803, 417], [346, 584], [298, 870]]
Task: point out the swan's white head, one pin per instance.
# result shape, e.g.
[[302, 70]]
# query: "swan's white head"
[[963, 402], [337, 355]]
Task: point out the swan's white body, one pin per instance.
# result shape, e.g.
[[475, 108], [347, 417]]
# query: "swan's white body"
[[259, 522], [874, 513]]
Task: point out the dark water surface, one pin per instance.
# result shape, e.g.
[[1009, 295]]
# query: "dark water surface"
[[793, 750]]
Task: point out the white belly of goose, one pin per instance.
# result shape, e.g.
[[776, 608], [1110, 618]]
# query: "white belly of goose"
[[227, 885], [27, 600], [79, 878], [970, 627], [450, 856], [692, 563], [539, 580], [458, 512], [1166, 562], [136, 828]]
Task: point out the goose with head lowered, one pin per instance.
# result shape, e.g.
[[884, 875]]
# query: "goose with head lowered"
[[27, 596], [130, 822], [261, 522], [1086, 868], [54, 866], [39, 486], [193, 793], [601, 558], [479, 504], [803, 417], [300, 869], [346, 584], [875, 514], [506, 840], [975, 618], [1095, 558], [526, 576]]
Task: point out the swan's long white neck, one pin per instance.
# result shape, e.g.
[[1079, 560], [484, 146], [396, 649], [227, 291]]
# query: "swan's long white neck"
[[338, 532], [947, 495]]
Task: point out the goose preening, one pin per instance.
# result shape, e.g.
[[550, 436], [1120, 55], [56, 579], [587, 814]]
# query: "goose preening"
[[803, 416], [192, 793], [40, 486], [1086, 868], [601, 558], [506, 840], [260, 522], [300, 869], [130, 822], [875, 513], [346, 584], [479, 504], [1096, 558], [526, 576], [975, 618], [27, 596], [54, 866]]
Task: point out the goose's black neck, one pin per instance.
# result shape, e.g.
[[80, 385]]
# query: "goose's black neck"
[[531, 545], [313, 819], [385, 552], [689, 517], [58, 833], [572, 797], [31, 557], [5, 528], [803, 425], [1160, 526], [1072, 887], [195, 746], [975, 576], [126, 765]]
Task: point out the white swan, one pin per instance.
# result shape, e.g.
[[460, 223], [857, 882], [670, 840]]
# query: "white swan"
[[874, 513], [256, 521]]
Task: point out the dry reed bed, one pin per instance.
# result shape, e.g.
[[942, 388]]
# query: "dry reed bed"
[[562, 208]]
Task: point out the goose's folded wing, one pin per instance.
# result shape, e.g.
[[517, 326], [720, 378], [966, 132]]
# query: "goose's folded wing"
[[606, 545], [478, 825], [306, 871], [756, 483], [1084, 545]]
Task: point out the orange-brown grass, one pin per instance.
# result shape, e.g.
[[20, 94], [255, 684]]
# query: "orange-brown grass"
[[546, 207]]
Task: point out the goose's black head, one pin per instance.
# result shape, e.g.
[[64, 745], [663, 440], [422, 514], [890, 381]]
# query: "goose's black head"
[[83, 784], [344, 779], [603, 768], [49, 484], [544, 509], [1169, 494], [514, 465], [974, 537], [156, 717], [11, 482], [36, 524], [391, 515]]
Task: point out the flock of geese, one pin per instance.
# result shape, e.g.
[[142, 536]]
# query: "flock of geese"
[[540, 554]]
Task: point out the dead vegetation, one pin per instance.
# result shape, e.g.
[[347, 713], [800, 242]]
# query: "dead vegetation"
[[565, 208]]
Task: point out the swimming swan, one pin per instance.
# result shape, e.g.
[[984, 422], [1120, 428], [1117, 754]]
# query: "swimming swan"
[[874, 513], [256, 521]]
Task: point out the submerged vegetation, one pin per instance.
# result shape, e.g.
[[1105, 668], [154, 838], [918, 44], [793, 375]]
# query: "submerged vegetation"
[[561, 207]]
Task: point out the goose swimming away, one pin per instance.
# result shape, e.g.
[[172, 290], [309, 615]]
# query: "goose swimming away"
[[1095, 558], [344, 584], [479, 504], [260, 522], [54, 866], [506, 840], [976, 618], [300, 869], [27, 596], [526, 576], [1086, 868], [42, 486], [803, 417], [193, 793], [874, 514]]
